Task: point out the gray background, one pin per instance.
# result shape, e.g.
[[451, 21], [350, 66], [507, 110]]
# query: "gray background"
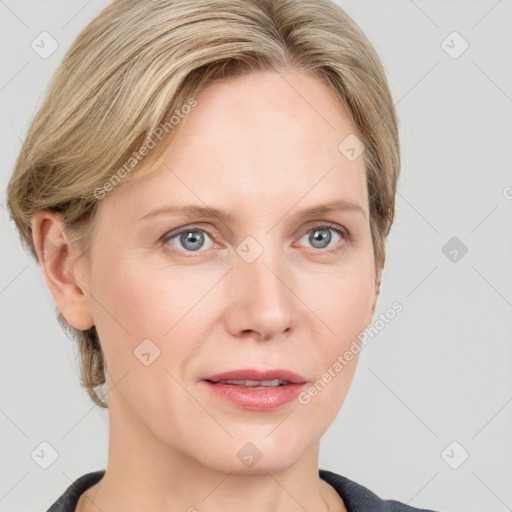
[[439, 372]]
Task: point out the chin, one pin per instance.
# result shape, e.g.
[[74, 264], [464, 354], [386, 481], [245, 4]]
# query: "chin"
[[256, 453]]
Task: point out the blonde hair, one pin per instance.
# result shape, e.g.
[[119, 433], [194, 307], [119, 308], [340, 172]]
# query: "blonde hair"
[[139, 62]]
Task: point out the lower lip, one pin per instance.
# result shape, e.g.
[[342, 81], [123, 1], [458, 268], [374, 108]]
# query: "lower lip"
[[256, 399]]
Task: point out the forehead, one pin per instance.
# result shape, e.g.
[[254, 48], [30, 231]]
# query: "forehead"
[[296, 106], [256, 139]]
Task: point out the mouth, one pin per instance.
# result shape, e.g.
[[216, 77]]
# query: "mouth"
[[253, 384], [257, 390], [253, 377]]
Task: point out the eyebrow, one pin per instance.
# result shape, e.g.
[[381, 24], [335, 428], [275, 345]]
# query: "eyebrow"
[[209, 212]]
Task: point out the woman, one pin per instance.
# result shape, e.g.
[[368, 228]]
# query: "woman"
[[208, 187]]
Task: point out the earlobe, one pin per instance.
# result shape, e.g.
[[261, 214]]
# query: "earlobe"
[[56, 257]]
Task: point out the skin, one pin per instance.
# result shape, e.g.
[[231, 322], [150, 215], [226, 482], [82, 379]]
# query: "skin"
[[259, 147]]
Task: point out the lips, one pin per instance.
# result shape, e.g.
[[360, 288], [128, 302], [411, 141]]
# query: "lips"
[[287, 376], [243, 388]]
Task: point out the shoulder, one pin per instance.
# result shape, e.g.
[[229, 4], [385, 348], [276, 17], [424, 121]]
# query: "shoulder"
[[68, 500], [358, 498]]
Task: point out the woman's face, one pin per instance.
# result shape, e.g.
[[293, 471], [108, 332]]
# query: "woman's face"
[[266, 288]]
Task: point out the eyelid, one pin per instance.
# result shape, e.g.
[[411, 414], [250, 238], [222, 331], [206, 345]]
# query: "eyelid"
[[325, 224], [164, 239]]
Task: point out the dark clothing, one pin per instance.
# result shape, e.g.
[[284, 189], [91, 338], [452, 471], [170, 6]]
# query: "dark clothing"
[[356, 497]]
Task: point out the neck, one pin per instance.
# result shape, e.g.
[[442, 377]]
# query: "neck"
[[145, 474]]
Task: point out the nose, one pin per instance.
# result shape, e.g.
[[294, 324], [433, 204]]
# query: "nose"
[[262, 300]]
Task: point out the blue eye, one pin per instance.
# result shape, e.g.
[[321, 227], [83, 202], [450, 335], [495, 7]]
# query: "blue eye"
[[192, 239], [320, 236]]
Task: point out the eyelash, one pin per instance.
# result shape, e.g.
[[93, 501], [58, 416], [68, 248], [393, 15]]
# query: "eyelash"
[[340, 230]]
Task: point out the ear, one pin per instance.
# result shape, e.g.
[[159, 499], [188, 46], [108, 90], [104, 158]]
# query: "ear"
[[62, 274]]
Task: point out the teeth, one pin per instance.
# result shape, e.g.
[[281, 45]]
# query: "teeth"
[[255, 383]]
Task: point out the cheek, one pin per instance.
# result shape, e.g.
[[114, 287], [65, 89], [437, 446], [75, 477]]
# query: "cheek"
[[149, 314], [341, 303], [342, 300], [137, 300]]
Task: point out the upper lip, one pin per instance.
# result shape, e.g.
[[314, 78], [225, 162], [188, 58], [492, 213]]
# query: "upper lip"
[[259, 375]]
